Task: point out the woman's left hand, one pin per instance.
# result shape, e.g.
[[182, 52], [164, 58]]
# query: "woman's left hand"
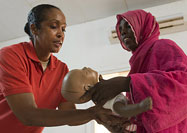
[[114, 124], [107, 89]]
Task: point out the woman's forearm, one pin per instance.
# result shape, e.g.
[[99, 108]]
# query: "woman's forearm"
[[29, 114], [49, 117]]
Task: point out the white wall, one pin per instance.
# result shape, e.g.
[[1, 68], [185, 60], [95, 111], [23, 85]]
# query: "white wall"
[[14, 41], [88, 45]]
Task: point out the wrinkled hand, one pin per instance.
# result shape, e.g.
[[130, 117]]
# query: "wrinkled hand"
[[107, 89], [98, 111], [113, 123]]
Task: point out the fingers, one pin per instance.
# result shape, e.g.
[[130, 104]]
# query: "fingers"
[[112, 123], [103, 119], [98, 99], [85, 96], [103, 111], [126, 131], [118, 129], [108, 111], [98, 121], [95, 98], [101, 102], [97, 95], [126, 124], [88, 94]]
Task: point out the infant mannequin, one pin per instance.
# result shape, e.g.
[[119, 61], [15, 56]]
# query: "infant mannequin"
[[80, 80], [77, 82]]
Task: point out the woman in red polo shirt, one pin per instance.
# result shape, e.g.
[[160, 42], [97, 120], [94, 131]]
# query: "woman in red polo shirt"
[[31, 78]]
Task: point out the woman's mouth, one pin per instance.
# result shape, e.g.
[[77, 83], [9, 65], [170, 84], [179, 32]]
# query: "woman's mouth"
[[58, 44], [126, 40]]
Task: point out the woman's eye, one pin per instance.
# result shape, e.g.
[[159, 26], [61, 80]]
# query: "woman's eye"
[[123, 32], [129, 26], [53, 27], [63, 29]]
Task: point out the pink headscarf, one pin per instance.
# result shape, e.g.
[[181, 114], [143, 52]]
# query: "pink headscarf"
[[142, 23], [158, 70]]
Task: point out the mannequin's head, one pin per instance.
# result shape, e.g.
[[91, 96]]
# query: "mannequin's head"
[[76, 82]]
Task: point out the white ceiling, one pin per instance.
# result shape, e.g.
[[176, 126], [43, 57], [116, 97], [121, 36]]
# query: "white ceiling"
[[14, 12]]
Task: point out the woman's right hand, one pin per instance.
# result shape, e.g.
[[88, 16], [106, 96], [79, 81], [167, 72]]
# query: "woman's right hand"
[[107, 89], [98, 111], [114, 124]]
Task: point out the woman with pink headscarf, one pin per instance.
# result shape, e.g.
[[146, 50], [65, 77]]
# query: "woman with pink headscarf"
[[158, 69]]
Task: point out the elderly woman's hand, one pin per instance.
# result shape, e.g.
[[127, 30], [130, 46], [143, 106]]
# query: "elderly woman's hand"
[[113, 123], [107, 89]]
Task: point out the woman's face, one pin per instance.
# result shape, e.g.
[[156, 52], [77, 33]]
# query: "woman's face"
[[127, 35], [50, 36]]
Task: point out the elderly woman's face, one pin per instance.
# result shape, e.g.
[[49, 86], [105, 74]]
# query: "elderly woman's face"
[[127, 35]]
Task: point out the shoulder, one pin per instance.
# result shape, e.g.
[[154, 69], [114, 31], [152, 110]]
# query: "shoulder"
[[62, 64], [166, 43], [167, 46], [12, 54], [13, 49], [166, 52], [59, 69]]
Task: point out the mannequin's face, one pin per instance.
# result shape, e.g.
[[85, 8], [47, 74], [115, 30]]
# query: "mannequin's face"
[[89, 76]]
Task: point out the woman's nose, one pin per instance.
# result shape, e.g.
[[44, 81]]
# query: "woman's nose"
[[124, 32], [122, 36], [60, 34]]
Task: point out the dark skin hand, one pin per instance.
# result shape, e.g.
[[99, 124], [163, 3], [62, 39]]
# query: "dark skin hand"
[[107, 89], [113, 123]]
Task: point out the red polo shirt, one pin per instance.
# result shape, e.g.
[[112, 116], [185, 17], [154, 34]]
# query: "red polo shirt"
[[21, 72]]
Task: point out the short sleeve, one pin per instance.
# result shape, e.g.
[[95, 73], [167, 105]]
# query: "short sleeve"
[[13, 76]]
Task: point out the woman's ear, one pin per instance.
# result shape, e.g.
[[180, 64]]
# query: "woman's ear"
[[33, 29]]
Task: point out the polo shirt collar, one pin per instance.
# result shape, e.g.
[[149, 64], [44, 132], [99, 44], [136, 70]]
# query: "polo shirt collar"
[[52, 62], [31, 53]]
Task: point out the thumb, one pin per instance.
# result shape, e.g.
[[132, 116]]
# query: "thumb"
[[87, 94], [98, 121], [106, 111]]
